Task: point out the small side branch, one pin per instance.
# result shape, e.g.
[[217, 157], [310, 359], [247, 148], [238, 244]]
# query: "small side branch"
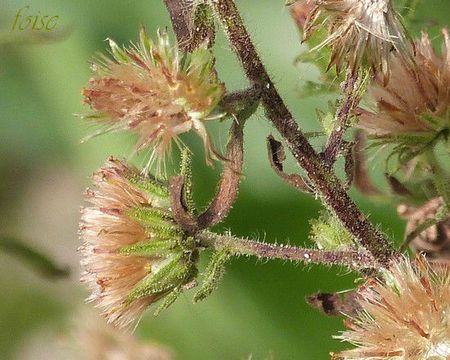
[[342, 119], [238, 246], [240, 105], [362, 180], [202, 27]]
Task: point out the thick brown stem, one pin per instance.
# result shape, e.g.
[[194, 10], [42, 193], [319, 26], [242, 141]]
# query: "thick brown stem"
[[180, 12], [324, 181]]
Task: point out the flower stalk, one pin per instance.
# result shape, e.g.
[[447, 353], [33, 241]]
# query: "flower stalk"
[[440, 178], [355, 260], [193, 23]]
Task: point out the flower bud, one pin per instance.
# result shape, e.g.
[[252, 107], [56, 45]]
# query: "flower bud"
[[329, 234], [133, 252], [154, 91]]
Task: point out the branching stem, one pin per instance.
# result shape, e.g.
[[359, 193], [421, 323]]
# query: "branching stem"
[[325, 182]]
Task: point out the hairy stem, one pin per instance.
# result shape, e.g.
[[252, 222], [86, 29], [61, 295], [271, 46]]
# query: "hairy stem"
[[342, 120], [238, 246], [323, 179]]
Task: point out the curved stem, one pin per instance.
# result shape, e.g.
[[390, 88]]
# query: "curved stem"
[[228, 189], [39, 261], [238, 246]]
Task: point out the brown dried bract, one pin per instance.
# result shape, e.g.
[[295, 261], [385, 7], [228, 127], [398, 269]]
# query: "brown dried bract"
[[433, 241]]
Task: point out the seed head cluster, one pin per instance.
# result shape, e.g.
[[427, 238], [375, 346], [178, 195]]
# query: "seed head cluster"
[[359, 32], [405, 316]]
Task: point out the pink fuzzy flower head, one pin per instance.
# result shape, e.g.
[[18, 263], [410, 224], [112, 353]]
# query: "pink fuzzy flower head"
[[405, 316], [133, 253], [152, 90]]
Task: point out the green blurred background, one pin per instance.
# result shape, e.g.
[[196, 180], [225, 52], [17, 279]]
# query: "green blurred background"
[[259, 311]]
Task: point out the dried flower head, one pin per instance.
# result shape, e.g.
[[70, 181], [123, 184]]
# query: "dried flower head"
[[416, 100], [152, 90], [359, 31], [133, 251], [405, 316], [414, 108], [300, 11]]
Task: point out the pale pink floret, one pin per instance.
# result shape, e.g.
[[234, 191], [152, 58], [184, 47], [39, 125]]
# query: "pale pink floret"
[[405, 316], [105, 228], [109, 231], [114, 190]]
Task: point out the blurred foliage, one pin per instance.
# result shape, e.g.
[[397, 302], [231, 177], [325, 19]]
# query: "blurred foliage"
[[259, 308]]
